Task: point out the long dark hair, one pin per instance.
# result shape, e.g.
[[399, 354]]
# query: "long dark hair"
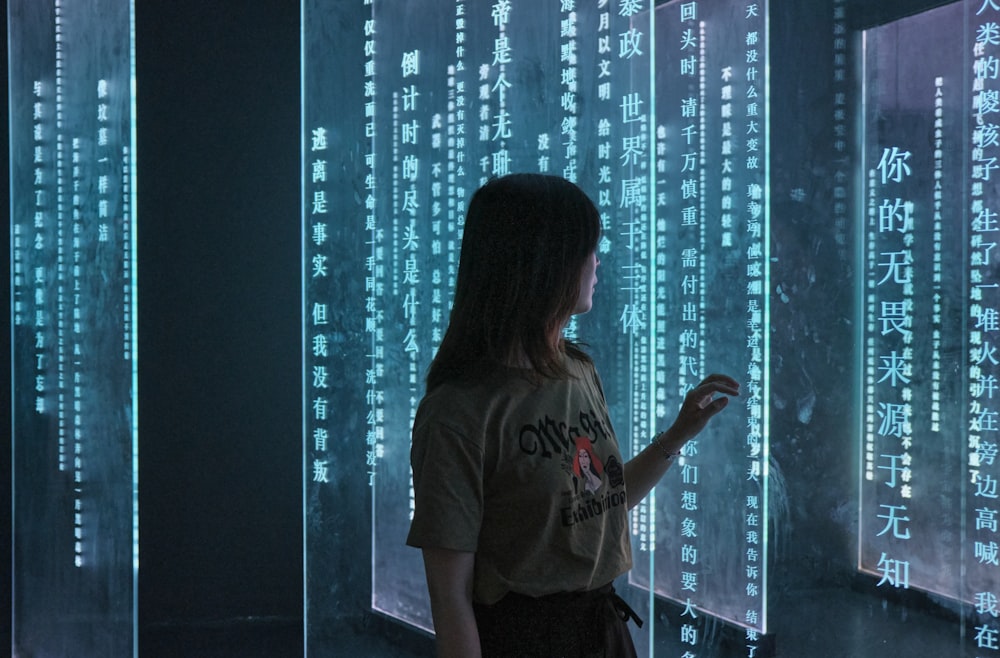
[[526, 239]]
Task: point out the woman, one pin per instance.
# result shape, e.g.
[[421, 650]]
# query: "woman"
[[520, 558]]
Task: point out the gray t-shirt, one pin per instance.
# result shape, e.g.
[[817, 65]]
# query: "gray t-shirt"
[[528, 477]]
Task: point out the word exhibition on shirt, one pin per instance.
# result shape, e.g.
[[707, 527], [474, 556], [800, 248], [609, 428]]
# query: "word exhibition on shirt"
[[593, 507]]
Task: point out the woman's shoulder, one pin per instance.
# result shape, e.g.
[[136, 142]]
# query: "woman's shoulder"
[[475, 390]]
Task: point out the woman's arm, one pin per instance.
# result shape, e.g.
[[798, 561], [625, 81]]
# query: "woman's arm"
[[449, 580], [643, 471]]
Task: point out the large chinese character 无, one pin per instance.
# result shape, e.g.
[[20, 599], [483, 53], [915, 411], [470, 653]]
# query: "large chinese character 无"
[[894, 521], [896, 266]]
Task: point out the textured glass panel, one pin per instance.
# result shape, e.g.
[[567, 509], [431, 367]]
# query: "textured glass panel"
[[73, 313], [709, 296], [912, 475]]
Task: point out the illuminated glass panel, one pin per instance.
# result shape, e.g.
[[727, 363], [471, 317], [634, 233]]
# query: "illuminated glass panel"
[[710, 298], [911, 462], [75, 525], [929, 435]]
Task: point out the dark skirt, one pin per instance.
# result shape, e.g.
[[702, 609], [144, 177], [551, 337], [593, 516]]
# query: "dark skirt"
[[589, 624]]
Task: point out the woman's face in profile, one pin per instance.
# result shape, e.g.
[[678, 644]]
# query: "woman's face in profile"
[[588, 279]]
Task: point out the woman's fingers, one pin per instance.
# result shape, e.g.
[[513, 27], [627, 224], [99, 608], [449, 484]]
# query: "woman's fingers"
[[704, 392]]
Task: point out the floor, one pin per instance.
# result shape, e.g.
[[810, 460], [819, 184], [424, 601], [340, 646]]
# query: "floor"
[[821, 624]]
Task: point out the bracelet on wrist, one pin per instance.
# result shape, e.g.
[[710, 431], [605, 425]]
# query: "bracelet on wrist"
[[667, 454]]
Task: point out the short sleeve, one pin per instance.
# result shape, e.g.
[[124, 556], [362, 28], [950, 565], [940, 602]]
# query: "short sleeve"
[[448, 488]]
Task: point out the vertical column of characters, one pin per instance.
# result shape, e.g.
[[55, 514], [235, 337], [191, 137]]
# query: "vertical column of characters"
[[603, 117], [755, 213], [869, 353], [841, 145], [70, 199], [500, 12], [937, 229], [984, 324], [31, 261], [438, 173], [126, 233], [601, 123], [86, 170], [603, 113], [568, 103], [406, 155], [318, 320], [543, 161], [568, 75], [891, 249], [375, 268], [699, 106], [442, 127], [406, 202], [457, 147], [130, 339], [496, 127], [58, 305], [633, 208], [689, 161], [78, 209]]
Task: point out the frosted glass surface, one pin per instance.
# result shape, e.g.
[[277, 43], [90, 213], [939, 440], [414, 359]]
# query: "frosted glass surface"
[[929, 471], [73, 299]]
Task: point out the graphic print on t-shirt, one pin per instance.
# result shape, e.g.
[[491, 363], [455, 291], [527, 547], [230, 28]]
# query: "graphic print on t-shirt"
[[594, 484], [587, 467]]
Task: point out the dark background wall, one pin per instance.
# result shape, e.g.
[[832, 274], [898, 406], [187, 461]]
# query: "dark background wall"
[[219, 350], [220, 430]]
